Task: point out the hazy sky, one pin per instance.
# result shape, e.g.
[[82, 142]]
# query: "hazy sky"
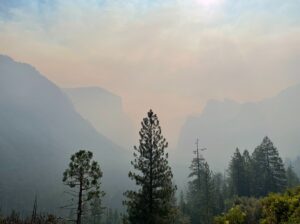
[[169, 55]]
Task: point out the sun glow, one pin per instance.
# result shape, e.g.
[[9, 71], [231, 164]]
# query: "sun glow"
[[209, 3]]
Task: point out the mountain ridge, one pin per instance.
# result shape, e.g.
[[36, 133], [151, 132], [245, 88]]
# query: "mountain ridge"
[[224, 125], [39, 130]]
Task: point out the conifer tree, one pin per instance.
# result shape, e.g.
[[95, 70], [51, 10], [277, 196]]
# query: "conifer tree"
[[240, 174], [247, 160], [200, 192], [151, 202], [84, 175], [237, 174], [268, 168]]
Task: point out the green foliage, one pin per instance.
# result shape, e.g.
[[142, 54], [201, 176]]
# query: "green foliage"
[[247, 210], [84, 175], [152, 202], [234, 216], [282, 208], [273, 209], [251, 207]]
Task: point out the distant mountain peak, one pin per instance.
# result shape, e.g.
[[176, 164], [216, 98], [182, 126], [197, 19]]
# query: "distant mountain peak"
[[224, 125]]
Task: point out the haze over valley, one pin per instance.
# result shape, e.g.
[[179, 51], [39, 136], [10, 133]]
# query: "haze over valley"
[[39, 118], [149, 112]]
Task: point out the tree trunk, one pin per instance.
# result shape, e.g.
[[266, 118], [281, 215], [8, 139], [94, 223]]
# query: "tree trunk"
[[79, 208], [151, 180]]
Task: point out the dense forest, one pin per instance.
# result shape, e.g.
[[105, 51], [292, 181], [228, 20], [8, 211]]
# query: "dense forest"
[[257, 187]]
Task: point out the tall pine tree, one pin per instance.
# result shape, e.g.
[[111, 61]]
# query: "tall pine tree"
[[151, 202], [268, 168], [240, 174], [84, 175], [248, 173], [237, 174]]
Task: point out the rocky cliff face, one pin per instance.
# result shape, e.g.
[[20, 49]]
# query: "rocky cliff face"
[[104, 111]]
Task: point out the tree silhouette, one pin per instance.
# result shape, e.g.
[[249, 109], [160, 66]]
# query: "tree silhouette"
[[152, 202], [84, 175]]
